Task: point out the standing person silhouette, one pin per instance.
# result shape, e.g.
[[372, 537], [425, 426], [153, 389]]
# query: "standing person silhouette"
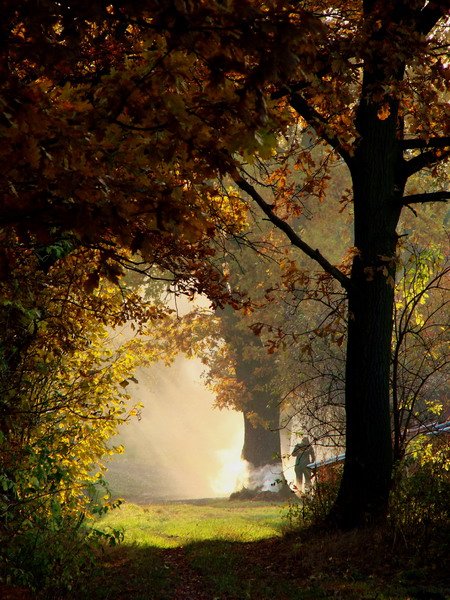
[[305, 455]]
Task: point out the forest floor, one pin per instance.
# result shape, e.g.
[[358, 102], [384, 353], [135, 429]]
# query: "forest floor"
[[272, 569], [220, 550]]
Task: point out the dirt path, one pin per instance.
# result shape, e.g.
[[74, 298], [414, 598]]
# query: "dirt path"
[[189, 583], [335, 567], [136, 573]]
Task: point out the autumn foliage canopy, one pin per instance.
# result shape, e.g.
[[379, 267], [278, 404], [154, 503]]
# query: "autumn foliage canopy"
[[142, 135]]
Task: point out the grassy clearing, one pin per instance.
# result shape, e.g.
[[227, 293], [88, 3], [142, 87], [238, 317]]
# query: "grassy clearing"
[[177, 524], [221, 550]]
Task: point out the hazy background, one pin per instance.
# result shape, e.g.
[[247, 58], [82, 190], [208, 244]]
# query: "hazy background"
[[181, 447]]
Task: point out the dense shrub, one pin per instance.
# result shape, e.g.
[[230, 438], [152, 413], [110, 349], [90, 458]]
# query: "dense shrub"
[[420, 500]]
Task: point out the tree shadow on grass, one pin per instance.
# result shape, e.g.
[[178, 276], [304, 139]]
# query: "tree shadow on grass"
[[271, 569], [211, 570]]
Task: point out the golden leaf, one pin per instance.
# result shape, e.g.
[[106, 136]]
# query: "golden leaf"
[[384, 112]]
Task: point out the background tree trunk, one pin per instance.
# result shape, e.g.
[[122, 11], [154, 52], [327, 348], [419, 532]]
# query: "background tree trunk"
[[260, 406], [261, 441]]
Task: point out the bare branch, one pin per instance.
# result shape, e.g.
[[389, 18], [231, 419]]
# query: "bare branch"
[[427, 197], [417, 143], [294, 238]]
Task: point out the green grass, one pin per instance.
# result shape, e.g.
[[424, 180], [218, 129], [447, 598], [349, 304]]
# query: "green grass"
[[222, 550], [177, 524]]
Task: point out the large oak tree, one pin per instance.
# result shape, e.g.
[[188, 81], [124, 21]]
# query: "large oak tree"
[[117, 119], [377, 95]]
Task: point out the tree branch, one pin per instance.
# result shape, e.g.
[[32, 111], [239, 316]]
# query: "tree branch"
[[427, 197], [288, 90], [421, 161], [294, 238], [316, 120], [437, 142], [298, 86], [430, 15]]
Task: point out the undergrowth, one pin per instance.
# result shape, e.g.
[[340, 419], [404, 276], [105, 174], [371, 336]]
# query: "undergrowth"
[[48, 552]]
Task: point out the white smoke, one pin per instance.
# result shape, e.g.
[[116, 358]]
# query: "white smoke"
[[267, 478]]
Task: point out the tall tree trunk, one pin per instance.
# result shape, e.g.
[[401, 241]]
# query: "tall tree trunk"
[[364, 491], [261, 437], [261, 413]]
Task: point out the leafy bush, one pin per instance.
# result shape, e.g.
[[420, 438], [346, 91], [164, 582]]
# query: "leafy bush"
[[47, 551], [315, 505], [62, 399], [420, 500]]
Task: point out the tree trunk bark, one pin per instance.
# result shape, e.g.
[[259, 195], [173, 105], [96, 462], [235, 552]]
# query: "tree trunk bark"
[[260, 409], [261, 442], [364, 490], [365, 486]]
